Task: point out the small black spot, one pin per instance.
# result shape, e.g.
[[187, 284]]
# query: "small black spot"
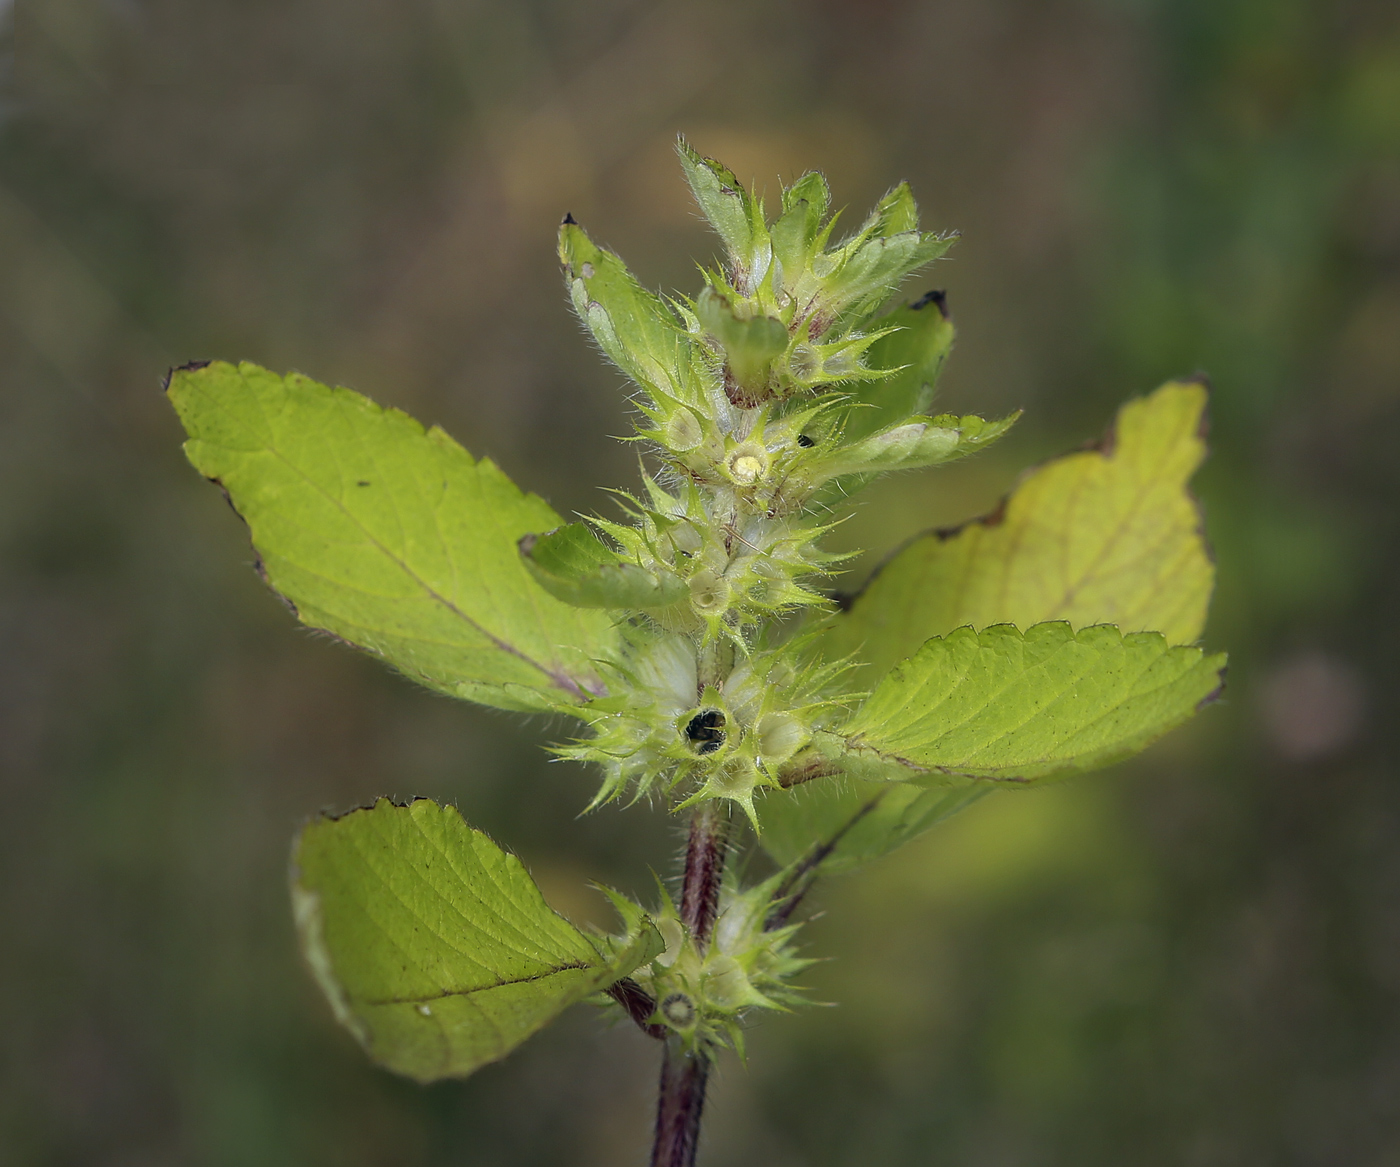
[[362, 482], [569, 220], [706, 730], [805, 442]]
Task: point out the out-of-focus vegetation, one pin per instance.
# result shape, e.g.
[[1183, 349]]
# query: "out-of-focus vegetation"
[[1194, 959]]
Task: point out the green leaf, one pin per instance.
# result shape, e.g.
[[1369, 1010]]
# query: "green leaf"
[[998, 707], [868, 275], [632, 325], [919, 441], [793, 236], [572, 564], [433, 945], [1104, 536], [842, 823], [918, 348], [1013, 707], [894, 214], [812, 190], [1105, 505], [733, 212], [391, 537]]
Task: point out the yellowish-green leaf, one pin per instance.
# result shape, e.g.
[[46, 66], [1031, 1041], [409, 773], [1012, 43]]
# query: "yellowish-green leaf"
[[1012, 707], [391, 537], [733, 212], [1109, 535], [433, 945], [633, 326]]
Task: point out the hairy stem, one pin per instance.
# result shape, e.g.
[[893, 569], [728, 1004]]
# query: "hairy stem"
[[681, 1094], [704, 865], [678, 1108], [639, 1005]]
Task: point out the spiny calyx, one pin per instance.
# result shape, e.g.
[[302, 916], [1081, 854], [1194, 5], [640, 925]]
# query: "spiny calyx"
[[702, 992], [667, 732], [779, 378]]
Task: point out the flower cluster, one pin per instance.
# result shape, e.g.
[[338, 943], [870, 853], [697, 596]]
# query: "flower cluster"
[[785, 374], [701, 995]]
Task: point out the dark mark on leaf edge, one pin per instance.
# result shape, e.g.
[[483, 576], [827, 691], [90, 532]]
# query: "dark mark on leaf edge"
[[937, 297], [1214, 695], [188, 367]]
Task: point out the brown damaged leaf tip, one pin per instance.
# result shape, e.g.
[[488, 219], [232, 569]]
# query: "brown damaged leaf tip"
[[1215, 694], [937, 297], [188, 367]]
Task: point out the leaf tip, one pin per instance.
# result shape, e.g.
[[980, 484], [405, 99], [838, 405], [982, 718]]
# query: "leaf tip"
[[1215, 694], [187, 367], [1200, 377]]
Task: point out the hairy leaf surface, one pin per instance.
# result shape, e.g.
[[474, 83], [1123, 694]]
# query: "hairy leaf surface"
[[391, 536], [732, 211], [572, 564], [1103, 536], [1013, 707], [433, 945], [918, 346], [632, 325], [920, 441]]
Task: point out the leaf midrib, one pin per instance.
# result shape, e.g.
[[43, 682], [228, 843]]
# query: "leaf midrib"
[[559, 679]]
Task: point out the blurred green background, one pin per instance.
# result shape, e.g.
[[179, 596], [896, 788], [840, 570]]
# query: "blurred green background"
[[1190, 960]]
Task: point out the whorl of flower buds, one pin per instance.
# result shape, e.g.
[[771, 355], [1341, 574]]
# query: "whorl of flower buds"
[[787, 372]]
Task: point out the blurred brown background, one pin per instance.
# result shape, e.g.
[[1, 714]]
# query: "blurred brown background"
[[1191, 960]]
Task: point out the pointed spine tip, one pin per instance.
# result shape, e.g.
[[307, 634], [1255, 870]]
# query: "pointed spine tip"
[[569, 220]]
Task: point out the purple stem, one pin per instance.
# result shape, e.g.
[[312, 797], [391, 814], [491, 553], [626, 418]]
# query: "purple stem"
[[681, 1095]]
